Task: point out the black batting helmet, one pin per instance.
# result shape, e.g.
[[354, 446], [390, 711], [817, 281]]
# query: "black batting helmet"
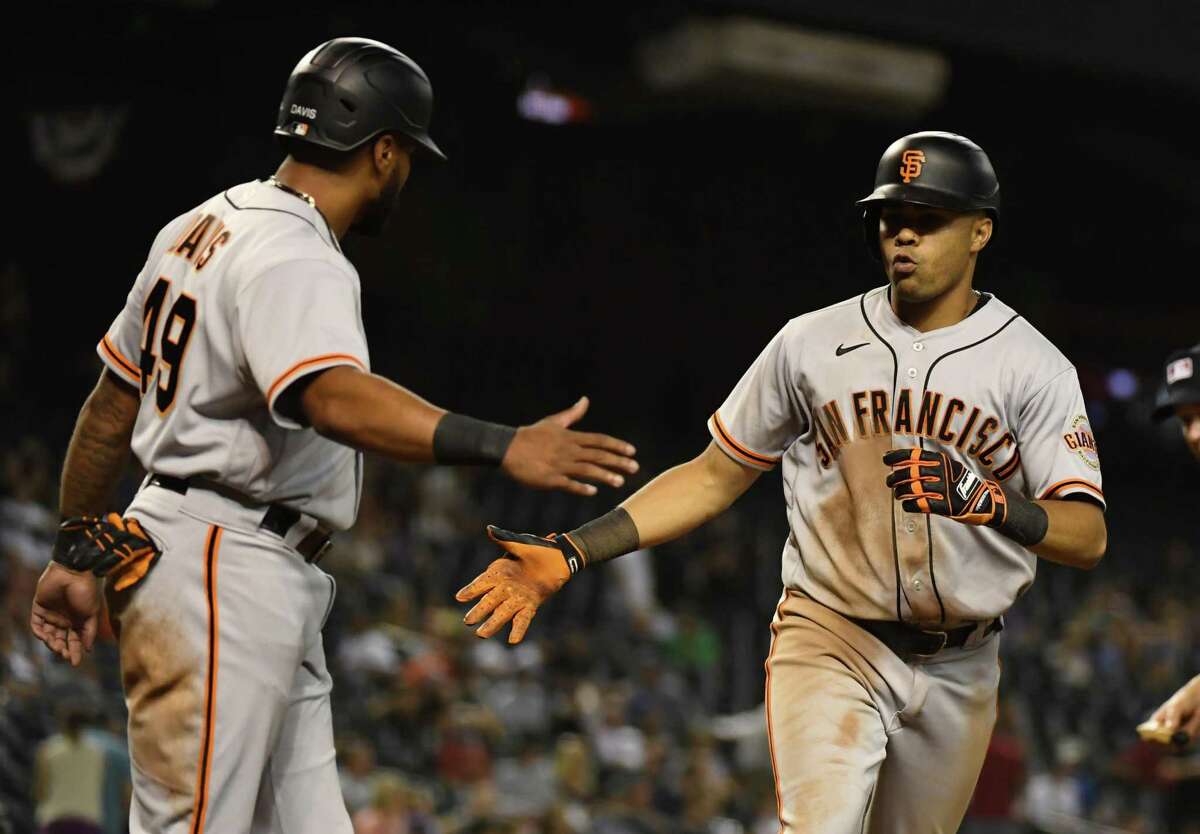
[[931, 168], [349, 90]]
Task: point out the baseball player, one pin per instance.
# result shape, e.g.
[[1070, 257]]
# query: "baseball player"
[[934, 444], [1178, 720], [239, 375]]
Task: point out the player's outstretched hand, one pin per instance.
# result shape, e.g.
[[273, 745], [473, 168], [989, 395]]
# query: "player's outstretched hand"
[[933, 482], [66, 607], [513, 586], [550, 455], [1178, 720]]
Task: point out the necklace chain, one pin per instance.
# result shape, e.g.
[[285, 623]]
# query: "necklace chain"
[[295, 192]]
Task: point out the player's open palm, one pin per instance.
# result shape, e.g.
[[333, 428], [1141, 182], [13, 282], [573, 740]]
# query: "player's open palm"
[[531, 570], [551, 455], [66, 608]]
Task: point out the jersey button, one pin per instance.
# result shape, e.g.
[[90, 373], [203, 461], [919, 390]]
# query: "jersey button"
[[911, 527], [918, 346], [916, 584], [912, 373]]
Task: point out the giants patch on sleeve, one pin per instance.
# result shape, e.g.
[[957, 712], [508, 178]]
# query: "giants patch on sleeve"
[[1082, 442]]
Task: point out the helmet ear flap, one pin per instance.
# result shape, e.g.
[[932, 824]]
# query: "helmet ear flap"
[[870, 221]]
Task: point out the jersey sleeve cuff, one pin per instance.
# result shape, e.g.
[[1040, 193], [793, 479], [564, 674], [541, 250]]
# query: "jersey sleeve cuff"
[[303, 368], [118, 363], [1074, 486], [738, 451]]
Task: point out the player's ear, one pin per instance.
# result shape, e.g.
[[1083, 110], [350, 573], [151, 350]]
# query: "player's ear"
[[383, 152], [981, 232]]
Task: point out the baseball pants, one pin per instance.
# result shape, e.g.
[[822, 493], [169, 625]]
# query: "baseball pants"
[[224, 675], [863, 742]]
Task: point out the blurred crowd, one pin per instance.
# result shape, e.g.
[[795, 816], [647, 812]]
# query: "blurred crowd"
[[634, 706]]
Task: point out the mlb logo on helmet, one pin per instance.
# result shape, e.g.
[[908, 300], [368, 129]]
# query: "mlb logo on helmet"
[[1179, 369], [911, 162], [300, 129]]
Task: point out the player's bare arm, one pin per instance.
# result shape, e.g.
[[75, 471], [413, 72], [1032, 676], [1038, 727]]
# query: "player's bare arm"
[[374, 414], [535, 567], [1076, 535], [67, 602]]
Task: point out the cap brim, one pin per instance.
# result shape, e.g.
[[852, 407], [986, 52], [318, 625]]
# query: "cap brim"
[[1166, 401]]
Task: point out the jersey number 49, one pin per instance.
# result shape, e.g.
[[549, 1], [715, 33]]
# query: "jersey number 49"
[[172, 342]]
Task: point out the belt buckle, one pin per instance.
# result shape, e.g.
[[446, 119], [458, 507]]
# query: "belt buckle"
[[321, 551], [941, 645]]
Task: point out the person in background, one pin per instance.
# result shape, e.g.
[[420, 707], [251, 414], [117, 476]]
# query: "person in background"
[[356, 774], [993, 807], [1179, 396], [69, 779], [109, 736]]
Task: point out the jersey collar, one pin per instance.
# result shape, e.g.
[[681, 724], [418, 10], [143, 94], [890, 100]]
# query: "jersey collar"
[[259, 194], [990, 311]]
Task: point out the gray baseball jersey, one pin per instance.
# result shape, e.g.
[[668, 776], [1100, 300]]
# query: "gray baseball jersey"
[[239, 298], [838, 387]]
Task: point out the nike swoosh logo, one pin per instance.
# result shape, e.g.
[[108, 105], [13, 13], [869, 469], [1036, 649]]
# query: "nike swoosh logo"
[[841, 349]]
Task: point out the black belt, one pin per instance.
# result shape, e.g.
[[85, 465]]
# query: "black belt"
[[911, 641], [279, 519]]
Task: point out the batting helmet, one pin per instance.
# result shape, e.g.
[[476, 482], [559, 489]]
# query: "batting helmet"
[[349, 90], [931, 168]]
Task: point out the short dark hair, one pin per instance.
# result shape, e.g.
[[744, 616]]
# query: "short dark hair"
[[336, 161], [324, 158]]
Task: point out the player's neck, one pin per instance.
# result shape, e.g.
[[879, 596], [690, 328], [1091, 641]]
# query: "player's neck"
[[332, 200], [945, 310]]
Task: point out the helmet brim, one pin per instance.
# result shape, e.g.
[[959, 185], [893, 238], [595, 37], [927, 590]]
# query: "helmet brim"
[[924, 196]]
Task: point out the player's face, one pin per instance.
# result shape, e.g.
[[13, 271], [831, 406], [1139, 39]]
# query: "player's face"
[[1189, 418], [926, 250]]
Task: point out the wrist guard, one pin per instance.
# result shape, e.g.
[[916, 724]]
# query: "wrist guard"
[[465, 440]]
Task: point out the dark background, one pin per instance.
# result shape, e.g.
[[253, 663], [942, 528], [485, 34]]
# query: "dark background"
[[642, 255]]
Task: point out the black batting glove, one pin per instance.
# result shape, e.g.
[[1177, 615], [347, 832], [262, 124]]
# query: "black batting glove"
[[933, 482]]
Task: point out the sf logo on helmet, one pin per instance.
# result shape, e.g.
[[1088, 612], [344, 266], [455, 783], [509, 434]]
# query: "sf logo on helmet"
[[912, 162]]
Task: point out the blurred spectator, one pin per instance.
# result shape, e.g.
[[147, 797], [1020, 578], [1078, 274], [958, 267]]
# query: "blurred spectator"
[[356, 772], [993, 808], [1054, 799], [1181, 773], [618, 745], [629, 808], [525, 783], [69, 778], [575, 773], [395, 808], [109, 736]]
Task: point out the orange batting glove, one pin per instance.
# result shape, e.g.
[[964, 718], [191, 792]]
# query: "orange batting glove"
[[933, 482], [513, 586]]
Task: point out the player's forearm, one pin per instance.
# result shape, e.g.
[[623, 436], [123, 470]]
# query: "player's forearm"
[[371, 413], [676, 502], [686, 496], [99, 448], [1075, 534]]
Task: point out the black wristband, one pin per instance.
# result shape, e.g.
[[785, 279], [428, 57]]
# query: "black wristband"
[[607, 537], [72, 547], [462, 439], [1024, 522]]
